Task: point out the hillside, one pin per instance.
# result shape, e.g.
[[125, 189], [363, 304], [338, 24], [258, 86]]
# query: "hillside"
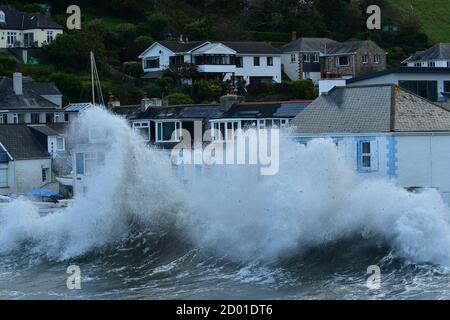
[[434, 15]]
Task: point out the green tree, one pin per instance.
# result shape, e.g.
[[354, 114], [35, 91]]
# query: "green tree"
[[70, 85], [179, 98], [208, 91], [199, 30]]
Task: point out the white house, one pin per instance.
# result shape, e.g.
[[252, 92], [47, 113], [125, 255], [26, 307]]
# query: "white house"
[[438, 56], [26, 30], [24, 101], [383, 131], [248, 61], [301, 58], [428, 82]]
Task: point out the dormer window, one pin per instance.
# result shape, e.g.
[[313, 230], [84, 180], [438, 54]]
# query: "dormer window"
[[2, 16]]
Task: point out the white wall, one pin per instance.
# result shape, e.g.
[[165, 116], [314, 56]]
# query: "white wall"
[[263, 70], [160, 51], [438, 63], [291, 69], [40, 35]]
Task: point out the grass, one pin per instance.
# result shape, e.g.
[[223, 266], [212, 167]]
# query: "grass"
[[434, 15]]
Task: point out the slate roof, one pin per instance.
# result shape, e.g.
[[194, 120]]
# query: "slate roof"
[[31, 98], [44, 129], [251, 47], [370, 109], [440, 51], [421, 70], [207, 111], [345, 47], [260, 110], [17, 20], [20, 142], [181, 47], [129, 112], [308, 45]]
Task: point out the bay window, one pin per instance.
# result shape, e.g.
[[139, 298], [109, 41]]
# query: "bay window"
[[168, 131]]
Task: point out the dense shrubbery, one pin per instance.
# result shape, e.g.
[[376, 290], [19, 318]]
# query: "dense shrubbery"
[[7, 64], [179, 98]]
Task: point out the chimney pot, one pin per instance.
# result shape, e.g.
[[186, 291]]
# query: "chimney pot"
[[294, 35]]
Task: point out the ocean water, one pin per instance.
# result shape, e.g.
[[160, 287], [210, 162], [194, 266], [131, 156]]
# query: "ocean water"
[[309, 232]]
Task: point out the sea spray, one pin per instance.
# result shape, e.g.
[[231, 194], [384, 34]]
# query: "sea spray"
[[314, 200]]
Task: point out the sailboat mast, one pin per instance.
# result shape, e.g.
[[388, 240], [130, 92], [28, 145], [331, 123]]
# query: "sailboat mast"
[[92, 77]]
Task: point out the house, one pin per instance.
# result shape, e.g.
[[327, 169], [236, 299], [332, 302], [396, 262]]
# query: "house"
[[27, 154], [23, 101], [71, 110], [351, 59], [383, 131], [428, 82], [301, 57], [246, 61], [438, 56], [259, 115], [26, 30]]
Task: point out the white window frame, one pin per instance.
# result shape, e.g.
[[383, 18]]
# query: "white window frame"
[[46, 172], [338, 61], [11, 38], [316, 57], [270, 58], [159, 130], [431, 64], [4, 169], [417, 64], [63, 144], [307, 57], [377, 59], [50, 36], [448, 64], [142, 125], [365, 59], [3, 118], [293, 58], [365, 155], [15, 118], [2, 16]]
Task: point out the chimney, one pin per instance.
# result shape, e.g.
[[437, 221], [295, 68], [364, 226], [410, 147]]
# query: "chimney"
[[226, 102], [17, 83], [113, 102], [294, 35]]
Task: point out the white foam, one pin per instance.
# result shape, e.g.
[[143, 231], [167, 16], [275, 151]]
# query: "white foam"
[[314, 200]]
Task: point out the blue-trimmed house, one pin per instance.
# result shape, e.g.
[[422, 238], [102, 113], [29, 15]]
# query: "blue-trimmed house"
[[384, 131]]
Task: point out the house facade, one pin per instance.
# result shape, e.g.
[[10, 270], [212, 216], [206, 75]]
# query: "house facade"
[[27, 157], [23, 101], [437, 56], [26, 30], [432, 83], [383, 131], [301, 58], [351, 59], [246, 61]]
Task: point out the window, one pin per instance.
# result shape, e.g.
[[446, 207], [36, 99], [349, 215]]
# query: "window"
[[342, 61], [2, 16], [224, 131], [418, 64], [15, 118], [272, 123], [66, 117], [270, 61], [365, 155], [3, 118], [431, 64], [307, 57], [316, 57], [376, 59], [448, 64], [4, 175], [57, 118], [50, 37], [446, 86], [239, 62], [425, 89], [79, 160], [152, 63], [365, 59], [214, 59], [256, 61], [143, 129], [49, 117], [45, 174], [89, 162], [35, 117], [60, 143], [11, 38], [293, 58], [169, 131]]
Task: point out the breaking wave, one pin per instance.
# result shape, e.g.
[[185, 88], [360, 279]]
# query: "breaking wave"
[[314, 201]]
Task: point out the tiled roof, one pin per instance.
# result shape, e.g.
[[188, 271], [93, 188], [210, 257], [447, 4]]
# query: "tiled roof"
[[17, 20], [369, 109], [75, 107], [256, 110], [20, 142], [345, 47], [436, 52], [44, 129], [181, 47], [308, 45], [30, 99]]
